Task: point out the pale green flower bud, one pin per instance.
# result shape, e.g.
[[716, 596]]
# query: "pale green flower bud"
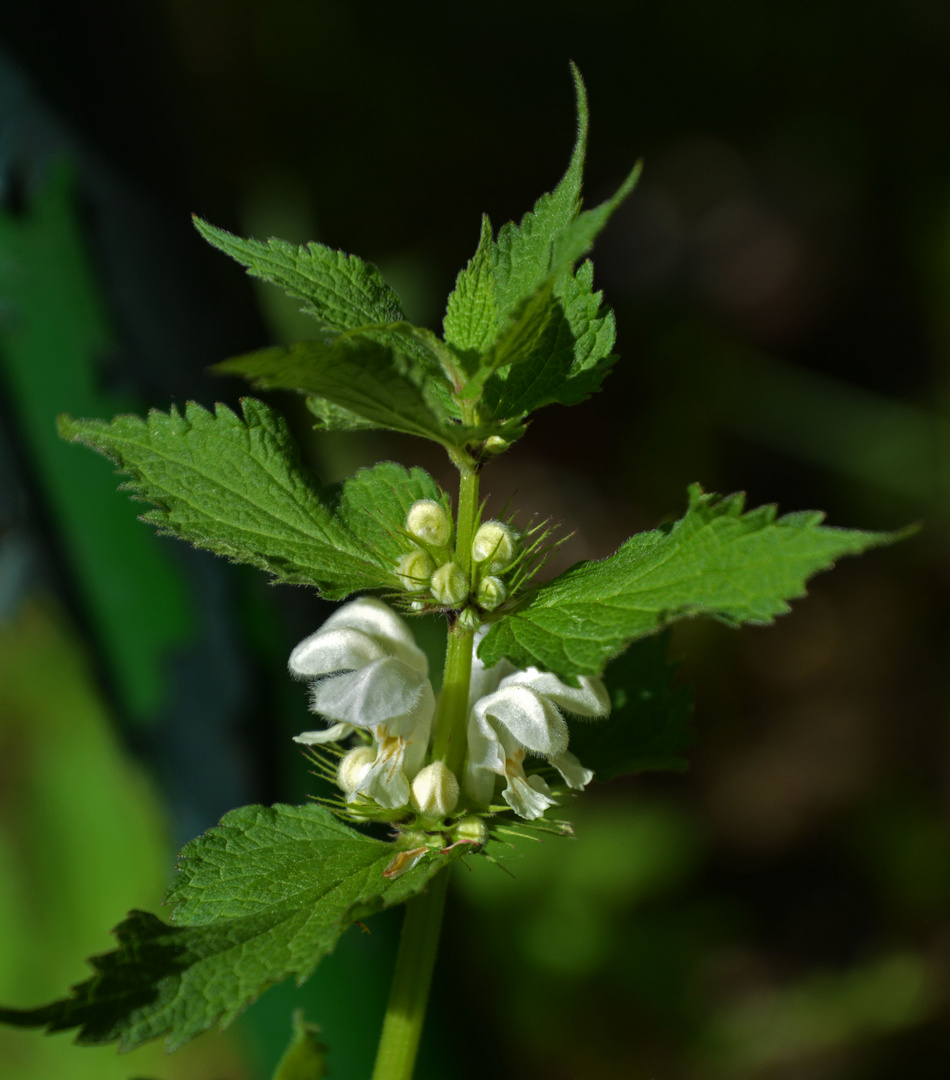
[[428, 521], [491, 593], [435, 791], [497, 544], [471, 830], [470, 619], [413, 838], [415, 570], [450, 585], [495, 444], [353, 767]]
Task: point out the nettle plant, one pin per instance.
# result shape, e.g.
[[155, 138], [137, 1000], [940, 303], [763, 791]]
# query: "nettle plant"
[[523, 719]]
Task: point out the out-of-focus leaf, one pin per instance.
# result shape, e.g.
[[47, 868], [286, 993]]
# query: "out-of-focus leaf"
[[648, 727], [81, 835], [305, 1057], [53, 335]]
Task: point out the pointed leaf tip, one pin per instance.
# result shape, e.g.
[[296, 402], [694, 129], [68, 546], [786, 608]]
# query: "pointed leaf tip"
[[720, 561]]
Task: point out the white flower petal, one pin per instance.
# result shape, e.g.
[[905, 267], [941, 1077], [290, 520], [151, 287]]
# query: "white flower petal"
[[341, 648], [378, 620], [574, 773], [416, 730], [330, 734], [382, 691], [479, 784], [485, 680], [353, 767], [529, 797], [386, 780], [485, 761], [588, 699], [528, 716]]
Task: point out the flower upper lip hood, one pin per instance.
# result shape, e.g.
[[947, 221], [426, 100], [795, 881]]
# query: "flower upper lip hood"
[[363, 624]]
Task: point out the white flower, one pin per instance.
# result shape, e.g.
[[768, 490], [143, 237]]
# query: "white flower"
[[515, 713], [370, 674]]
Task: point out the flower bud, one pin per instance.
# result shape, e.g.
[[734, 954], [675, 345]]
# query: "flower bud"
[[470, 619], [497, 544], [415, 570], [428, 521], [491, 593], [435, 790], [353, 768], [471, 830], [413, 838], [450, 585], [495, 444]]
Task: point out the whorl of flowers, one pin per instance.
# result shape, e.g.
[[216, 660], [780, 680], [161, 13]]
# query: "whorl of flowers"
[[369, 680]]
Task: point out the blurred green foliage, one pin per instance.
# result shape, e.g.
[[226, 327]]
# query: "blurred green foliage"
[[54, 335], [82, 840]]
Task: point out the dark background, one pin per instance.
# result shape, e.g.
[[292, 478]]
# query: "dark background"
[[780, 281]]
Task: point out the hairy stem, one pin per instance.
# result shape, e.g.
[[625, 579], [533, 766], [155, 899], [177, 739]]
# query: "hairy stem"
[[410, 990], [468, 512], [449, 742], [420, 931]]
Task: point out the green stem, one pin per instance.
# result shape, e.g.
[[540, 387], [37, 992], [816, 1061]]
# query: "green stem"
[[468, 512], [449, 742], [420, 930], [410, 990]]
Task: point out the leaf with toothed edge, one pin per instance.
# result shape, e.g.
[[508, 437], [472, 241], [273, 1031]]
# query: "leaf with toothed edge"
[[340, 291], [717, 561], [568, 352], [235, 485], [364, 377], [374, 504], [261, 897]]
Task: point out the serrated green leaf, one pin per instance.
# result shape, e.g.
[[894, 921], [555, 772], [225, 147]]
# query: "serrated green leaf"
[[520, 343], [374, 504], [305, 1057], [648, 727], [354, 373], [333, 418], [471, 314], [555, 233], [578, 238], [568, 353], [524, 251], [717, 561], [341, 291], [571, 357], [235, 485], [262, 897]]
